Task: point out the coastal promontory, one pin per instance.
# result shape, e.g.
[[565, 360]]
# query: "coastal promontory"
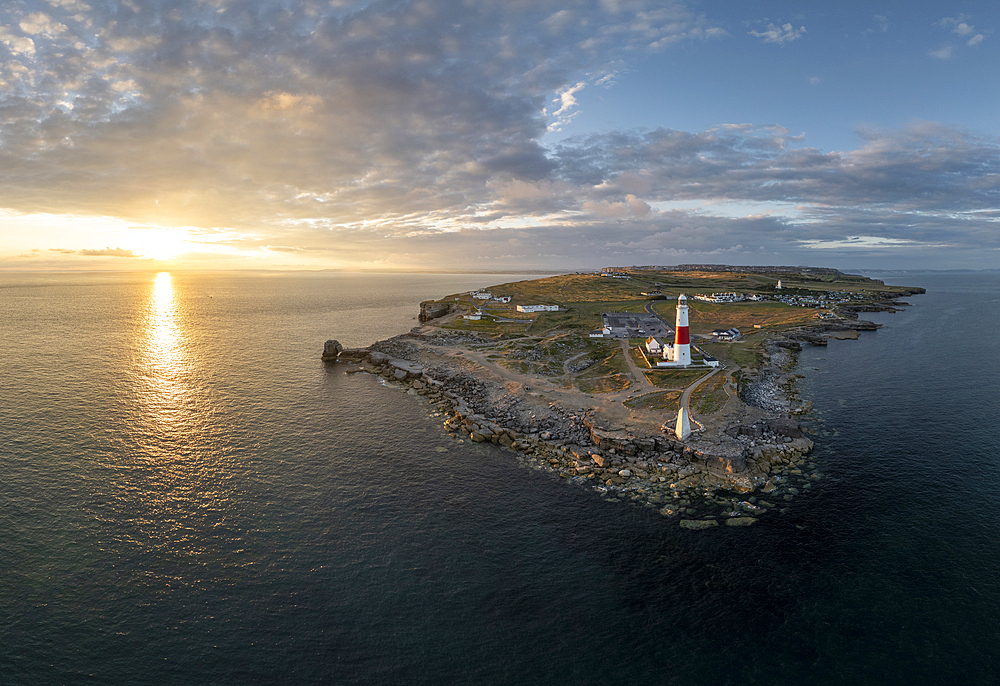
[[573, 373]]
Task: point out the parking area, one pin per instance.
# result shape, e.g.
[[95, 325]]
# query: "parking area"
[[633, 324]]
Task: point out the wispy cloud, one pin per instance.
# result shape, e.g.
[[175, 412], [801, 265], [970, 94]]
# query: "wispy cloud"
[[942, 52], [567, 106], [96, 252], [961, 27], [785, 33]]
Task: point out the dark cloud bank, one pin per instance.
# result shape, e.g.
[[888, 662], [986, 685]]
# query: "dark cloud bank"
[[409, 133]]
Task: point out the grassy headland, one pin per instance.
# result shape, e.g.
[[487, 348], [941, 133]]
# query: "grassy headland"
[[556, 345]]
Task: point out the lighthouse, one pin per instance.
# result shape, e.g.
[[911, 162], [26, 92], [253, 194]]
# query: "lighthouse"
[[682, 342]]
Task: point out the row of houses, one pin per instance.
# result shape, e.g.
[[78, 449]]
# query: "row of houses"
[[486, 295], [731, 297]]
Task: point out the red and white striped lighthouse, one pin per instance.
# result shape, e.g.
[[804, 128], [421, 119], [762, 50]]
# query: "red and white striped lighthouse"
[[682, 342]]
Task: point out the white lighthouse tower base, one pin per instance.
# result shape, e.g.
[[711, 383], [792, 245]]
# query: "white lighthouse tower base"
[[683, 429]]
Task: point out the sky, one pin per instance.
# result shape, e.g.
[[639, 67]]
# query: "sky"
[[498, 134]]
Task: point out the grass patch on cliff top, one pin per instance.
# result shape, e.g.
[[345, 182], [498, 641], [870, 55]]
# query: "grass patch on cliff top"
[[568, 288], [743, 354], [704, 317], [604, 384], [675, 378], [609, 362], [660, 400], [711, 396]]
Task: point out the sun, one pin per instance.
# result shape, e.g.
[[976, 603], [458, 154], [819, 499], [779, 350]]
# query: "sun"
[[159, 244]]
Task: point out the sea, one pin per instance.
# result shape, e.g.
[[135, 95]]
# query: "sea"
[[189, 496]]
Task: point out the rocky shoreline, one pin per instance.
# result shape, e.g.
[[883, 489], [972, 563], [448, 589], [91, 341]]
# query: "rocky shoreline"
[[575, 444]]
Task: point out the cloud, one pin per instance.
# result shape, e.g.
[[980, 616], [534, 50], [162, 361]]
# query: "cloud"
[[853, 242], [16, 44], [98, 252], [567, 106], [71, 5], [959, 26], [410, 133], [942, 52], [41, 24], [233, 114], [883, 22], [785, 33]]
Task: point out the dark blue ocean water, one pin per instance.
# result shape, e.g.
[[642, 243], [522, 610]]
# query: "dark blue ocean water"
[[188, 496]]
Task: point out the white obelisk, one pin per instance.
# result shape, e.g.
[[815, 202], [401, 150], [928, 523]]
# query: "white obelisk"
[[683, 429]]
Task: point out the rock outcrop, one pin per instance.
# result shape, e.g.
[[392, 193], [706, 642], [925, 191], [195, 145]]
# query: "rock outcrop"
[[332, 350], [432, 310]]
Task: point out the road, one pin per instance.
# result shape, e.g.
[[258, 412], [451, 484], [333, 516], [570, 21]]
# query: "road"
[[666, 324]]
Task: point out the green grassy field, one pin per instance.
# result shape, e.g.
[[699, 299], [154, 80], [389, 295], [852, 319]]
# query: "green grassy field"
[[703, 318], [604, 384], [710, 397], [745, 353], [675, 378], [639, 358], [668, 401]]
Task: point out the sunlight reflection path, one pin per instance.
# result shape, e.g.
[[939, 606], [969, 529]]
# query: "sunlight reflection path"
[[165, 353], [177, 494]]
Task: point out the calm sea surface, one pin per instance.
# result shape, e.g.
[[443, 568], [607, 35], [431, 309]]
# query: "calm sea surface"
[[189, 496]]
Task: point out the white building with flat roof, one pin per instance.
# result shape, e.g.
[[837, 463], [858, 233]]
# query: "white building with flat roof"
[[537, 308]]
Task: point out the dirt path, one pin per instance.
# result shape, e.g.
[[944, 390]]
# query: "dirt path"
[[567, 374], [641, 381]]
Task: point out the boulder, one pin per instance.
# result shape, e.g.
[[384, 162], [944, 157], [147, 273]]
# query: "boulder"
[[410, 370], [331, 349], [696, 524], [788, 428]]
